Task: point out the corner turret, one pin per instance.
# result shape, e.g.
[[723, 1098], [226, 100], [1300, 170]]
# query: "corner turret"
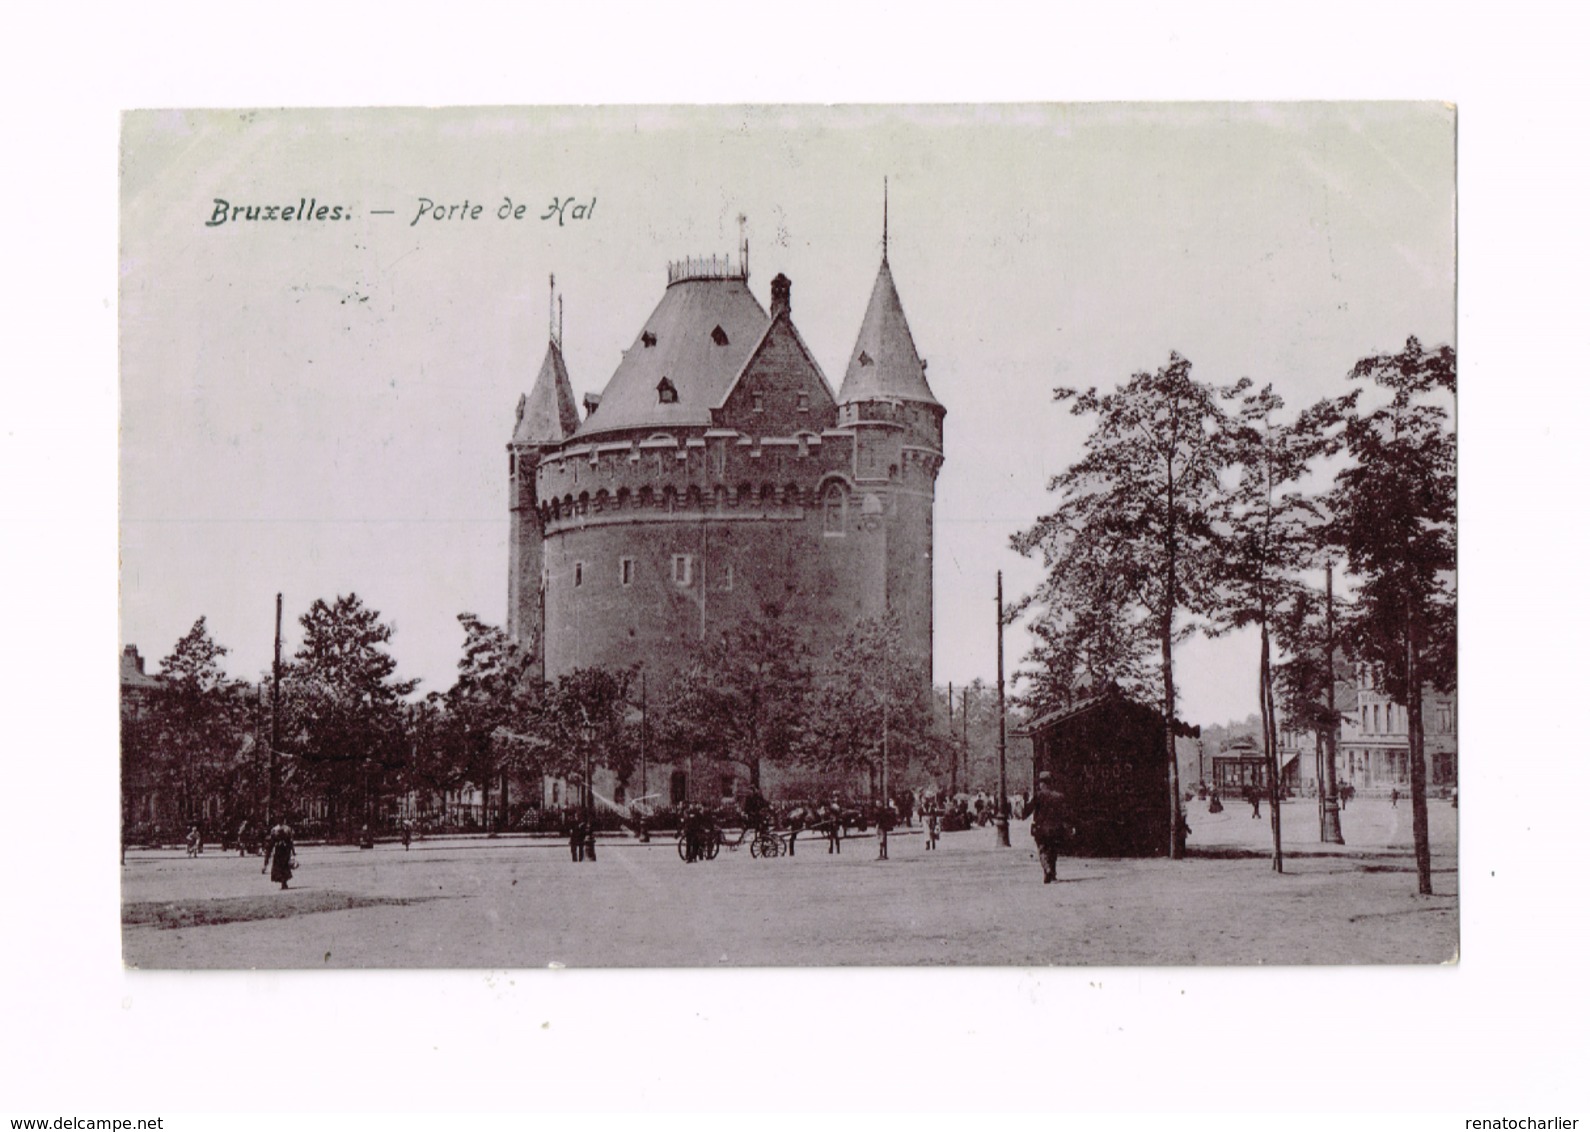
[[545, 418]]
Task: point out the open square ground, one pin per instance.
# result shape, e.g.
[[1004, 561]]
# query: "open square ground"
[[519, 902]]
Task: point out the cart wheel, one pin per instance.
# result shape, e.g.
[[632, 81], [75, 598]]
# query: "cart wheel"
[[712, 851], [681, 845], [756, 848], [783, 846]]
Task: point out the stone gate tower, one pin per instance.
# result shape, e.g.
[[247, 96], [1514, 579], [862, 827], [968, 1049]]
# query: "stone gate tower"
[[718, 474]]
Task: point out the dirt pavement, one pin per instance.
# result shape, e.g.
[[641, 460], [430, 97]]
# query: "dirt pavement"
[[522, 903]]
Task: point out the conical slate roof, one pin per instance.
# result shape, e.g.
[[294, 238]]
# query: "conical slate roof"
[[698, 338], [549, 415], [884, 363]]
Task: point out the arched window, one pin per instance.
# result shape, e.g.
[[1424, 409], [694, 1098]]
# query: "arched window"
[[834, 509]]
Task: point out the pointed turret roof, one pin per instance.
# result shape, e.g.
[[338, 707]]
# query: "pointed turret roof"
[[884, 364], [549, 415]]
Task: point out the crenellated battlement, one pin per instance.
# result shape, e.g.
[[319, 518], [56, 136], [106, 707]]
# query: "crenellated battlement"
[[719, 461]]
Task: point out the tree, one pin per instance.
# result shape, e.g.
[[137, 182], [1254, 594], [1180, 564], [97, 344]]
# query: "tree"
[[493, 694], [743, 698], [869, 711], [1087, 634], [198, 720], [349, 705], [583, 721], [1307, 684], [1393, 515], [1268, 527], [1140, 500]]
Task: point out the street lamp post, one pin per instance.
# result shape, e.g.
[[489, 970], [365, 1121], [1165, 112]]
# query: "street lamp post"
[[1332, 829]]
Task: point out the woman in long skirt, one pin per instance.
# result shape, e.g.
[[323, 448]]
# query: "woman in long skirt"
[[279, 854]]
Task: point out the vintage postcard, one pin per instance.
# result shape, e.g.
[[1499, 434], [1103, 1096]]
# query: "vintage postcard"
[[789, 536]]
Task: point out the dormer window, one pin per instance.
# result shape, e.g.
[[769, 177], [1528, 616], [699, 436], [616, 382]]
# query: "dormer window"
[[803, 403], [756, 403], [719, 337], [865, 358], [648, 339], [666, 393]]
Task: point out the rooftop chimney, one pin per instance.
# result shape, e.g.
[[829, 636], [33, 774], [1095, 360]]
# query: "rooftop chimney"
[[780, 295]]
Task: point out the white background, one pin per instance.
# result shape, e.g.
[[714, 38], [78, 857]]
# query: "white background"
[[1503, 1032]]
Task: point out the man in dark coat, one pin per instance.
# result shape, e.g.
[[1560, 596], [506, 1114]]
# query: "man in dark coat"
[[1048, 823]]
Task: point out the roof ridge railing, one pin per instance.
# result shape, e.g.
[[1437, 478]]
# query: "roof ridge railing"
[[705, 267]]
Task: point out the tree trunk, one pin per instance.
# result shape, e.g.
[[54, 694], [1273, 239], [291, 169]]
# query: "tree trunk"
[[1178, 843], [1272, 754], [1421, 812]]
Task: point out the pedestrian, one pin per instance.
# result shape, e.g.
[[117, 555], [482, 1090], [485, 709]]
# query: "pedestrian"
[[590, 840], [691, 828], [1047, 811], [405, 833], [576, 837], [242, 839], [831, 824], [1394, 796], [280, 856], [930, 821], [1253, 796], [195, 842]]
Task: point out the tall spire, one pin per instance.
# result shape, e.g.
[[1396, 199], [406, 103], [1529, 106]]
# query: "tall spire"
[[549, 415], [886, 219], [884, 364]]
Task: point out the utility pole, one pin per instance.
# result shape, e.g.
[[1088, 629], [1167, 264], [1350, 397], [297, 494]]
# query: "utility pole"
[[1331, 829], [1001, 817], [955, 756], [966, 749], [643, 735], [272, 771]]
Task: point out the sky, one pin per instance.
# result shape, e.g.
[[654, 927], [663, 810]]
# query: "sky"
[[314, 407]]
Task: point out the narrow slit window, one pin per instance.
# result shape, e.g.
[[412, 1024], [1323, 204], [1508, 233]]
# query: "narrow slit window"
[[626, 571], [579, 574], [719, 337]]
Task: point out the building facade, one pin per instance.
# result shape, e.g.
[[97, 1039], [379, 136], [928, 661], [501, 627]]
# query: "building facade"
[[1372, 751], [718, 474]]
